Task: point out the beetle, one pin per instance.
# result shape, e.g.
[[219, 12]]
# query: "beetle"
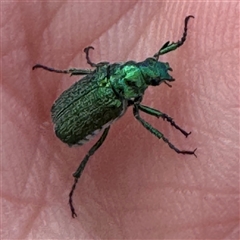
[[94, 102]]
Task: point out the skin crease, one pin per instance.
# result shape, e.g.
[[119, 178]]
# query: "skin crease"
[[135, 186]]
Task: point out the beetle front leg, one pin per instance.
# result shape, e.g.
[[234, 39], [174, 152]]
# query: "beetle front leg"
[[157, 133], [164, 116], [82, 165], [167, 47]]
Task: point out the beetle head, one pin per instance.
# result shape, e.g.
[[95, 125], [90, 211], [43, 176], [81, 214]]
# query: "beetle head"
[[155, 72]]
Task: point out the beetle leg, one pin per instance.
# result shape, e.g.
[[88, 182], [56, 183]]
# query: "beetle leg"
[[75, 71], [171, 47], [157, 133], [164, 116], [82, 165], [72, 71], [86, 50]]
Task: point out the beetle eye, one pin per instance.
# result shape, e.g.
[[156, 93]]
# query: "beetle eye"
[[131, 83]]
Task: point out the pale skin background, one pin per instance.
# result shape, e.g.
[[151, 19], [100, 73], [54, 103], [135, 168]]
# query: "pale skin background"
[[135, 186]]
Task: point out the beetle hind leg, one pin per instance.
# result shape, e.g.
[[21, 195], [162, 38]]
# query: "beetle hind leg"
[[82, 165], [71, 71]]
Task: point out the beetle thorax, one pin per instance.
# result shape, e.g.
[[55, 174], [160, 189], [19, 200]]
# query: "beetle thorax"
[[128, 81]]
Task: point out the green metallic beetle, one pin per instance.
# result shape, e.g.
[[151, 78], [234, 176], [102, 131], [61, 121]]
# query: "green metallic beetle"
[[93, 103]]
